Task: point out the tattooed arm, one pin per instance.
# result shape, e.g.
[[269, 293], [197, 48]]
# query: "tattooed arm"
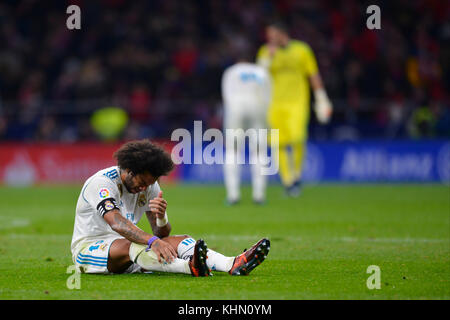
[[157, 210], [160, 232], [127, 229]]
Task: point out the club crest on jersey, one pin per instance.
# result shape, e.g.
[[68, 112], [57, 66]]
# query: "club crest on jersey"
[[104, 193], [109, 205], [142, 200]]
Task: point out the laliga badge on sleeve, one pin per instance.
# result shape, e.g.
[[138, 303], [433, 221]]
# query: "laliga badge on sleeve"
[[104, 193]]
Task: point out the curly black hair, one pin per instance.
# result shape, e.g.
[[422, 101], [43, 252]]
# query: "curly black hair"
[[143, 156]]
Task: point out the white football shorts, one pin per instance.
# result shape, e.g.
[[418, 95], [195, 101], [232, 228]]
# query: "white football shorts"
[[92, 256]]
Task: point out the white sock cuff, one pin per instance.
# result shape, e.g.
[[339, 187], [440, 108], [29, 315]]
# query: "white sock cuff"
[[219, 262], [186, 248]]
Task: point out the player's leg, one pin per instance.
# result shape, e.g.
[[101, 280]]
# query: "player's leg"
[[119, 252], [123, 254], [279, 118], [297, 128], [285, 165], [92, 256], [193, 257], [232, 176], [298, 152], [194, 265], [256, 155], [233, 120], [215, 261], [293, 185], [118, 256], [258, 180], [242, 264], [119, 260], [299, 146]]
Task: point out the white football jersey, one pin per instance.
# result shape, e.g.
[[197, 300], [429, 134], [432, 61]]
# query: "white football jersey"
[[105, 184], [246, 84]]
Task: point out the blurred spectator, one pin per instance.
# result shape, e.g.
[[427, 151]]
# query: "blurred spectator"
[[140, 103], [162, 60], [109, 123], [3, 127], [185, 58], [422, 123], [47, 130]]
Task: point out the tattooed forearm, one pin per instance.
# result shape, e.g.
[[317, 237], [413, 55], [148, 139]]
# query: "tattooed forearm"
[[127, 229], [160, 232]]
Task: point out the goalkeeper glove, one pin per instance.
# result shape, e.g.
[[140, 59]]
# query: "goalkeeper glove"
[[322, 106]]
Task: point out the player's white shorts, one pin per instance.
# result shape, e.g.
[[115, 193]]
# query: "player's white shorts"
[[244, 116], [92, 256]]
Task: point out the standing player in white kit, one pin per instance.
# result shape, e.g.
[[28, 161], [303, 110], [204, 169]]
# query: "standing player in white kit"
[[111, 203], [246, 97]]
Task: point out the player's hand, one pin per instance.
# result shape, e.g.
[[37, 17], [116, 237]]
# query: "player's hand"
[[158, 206], [164, 251], [324, 111], [323, 108]]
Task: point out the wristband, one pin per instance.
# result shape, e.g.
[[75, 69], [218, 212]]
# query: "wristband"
[[162, 222], [150, 241]]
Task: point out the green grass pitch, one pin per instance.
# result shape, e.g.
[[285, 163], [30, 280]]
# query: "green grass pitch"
[[321, 244]]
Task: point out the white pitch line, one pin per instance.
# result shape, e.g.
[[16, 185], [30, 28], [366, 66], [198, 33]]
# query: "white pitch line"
[[8, 223]]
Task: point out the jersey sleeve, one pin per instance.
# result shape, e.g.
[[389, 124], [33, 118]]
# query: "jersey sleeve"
[[309, 60], [102, 194]]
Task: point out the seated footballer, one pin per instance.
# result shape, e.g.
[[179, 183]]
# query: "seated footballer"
[[111, 203]]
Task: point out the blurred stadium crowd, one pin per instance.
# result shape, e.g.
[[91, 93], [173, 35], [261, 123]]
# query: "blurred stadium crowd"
[[161, 61]]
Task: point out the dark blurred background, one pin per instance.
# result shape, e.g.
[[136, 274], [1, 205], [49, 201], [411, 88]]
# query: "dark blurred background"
[[161, 61]]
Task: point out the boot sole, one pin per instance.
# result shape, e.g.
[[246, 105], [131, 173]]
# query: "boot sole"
[[202, 249], [261, 254]]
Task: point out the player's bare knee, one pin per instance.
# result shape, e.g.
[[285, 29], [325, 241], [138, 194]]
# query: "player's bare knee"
[[119, 249], [183, 237], [175, 241]]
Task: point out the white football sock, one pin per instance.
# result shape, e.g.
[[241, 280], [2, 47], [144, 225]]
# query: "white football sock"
[[219, 262], [149, 261], [258, 179], [214, 260], [231, 171], [185, 249]]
